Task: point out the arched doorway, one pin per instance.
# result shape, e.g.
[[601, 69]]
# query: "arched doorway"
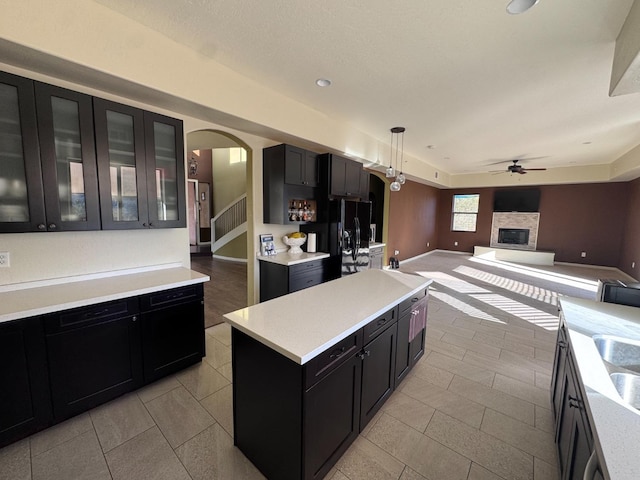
[[217, 221]]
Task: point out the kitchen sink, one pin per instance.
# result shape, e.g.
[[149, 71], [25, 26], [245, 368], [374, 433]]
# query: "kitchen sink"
[[628, 386], [618, 351]]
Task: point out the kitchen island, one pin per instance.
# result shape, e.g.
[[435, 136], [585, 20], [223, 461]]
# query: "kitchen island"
[[594, 425], [311, 368]]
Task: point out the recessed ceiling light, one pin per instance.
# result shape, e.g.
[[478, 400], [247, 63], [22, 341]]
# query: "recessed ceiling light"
[[323, 82], [516, 7]]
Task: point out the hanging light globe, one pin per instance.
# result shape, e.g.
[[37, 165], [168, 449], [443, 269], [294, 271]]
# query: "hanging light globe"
[[390, 172], [401, 179], [395, 186]]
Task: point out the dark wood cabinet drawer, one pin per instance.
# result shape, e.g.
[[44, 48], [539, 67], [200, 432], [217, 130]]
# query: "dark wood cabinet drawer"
[[302, 268], [169, 297], [300, 282], [332, 358], [85, 316], [416, 297], [379, 325]]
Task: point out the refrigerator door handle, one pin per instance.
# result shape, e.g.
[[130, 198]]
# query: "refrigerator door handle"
[[356, 246]]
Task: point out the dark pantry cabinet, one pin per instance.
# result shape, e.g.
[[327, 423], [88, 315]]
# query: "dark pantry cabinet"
[[64, 363], [48, 179], [25, 405]]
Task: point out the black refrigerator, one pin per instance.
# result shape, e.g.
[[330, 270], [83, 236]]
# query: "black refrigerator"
[[345, 235]]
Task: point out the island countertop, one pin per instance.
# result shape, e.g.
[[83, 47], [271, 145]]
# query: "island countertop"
[[615, 425], [63, 294], [305, 323]]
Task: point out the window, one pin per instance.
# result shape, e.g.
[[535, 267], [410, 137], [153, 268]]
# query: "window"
[[465, 212]]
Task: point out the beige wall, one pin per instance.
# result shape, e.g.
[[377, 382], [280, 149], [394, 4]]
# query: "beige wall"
[[229, 179]]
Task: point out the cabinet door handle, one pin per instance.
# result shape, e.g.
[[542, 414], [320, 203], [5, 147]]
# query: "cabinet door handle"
[[41, 226], [363, 354], [562, 344], [52, 226], [134, 318], [574, 402]]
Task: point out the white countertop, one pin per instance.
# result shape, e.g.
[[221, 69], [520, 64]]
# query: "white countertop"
[[303, 324], [28, 302], [376, 244], [615, 425], [288, 259]]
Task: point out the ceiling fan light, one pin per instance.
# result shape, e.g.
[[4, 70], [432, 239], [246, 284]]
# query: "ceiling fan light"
[[516, 7]]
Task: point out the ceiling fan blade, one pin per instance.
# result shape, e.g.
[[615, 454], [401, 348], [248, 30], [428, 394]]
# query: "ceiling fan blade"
[[534, 169], [522, 171]]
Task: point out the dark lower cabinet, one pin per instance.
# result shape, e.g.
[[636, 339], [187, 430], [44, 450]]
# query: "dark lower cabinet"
[[25, 403], [574, 438], [277, 280], [331, 418], [94, 355], [59, 365], [378, 367], [411, 333], [172, 330]]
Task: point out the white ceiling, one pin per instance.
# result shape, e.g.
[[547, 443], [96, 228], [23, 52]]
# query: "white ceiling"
[[479, 85]]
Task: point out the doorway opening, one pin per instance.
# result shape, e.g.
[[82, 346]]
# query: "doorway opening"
[[217, 218]]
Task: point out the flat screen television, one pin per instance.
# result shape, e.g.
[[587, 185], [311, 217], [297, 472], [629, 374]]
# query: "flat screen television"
[[516, 200]]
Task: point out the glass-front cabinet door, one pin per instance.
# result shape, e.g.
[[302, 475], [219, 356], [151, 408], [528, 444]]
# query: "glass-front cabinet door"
[[65, 124], [21, 194], [121, 165], [165, 171]]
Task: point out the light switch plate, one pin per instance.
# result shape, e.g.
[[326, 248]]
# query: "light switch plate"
[[5, 260]]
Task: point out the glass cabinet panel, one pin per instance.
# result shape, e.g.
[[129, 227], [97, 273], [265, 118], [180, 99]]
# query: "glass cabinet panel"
[[14, 201], [69, 166], [166, 162], [122, 167]]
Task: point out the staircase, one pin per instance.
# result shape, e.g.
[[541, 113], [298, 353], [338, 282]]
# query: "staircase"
[[230, 223]]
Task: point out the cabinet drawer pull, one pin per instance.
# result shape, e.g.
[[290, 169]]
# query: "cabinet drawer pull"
[[52, 226], [41, 226], [382, 321], [338, 352]]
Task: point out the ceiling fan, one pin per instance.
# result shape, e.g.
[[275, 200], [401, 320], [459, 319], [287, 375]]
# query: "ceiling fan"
[[515, 168]]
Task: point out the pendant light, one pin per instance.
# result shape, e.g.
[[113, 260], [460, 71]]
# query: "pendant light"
[[390, 172], [400, 179]]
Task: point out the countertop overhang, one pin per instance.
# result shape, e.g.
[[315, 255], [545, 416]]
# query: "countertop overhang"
[[303, 324], [287, 259], [80, 292], [615, 425]]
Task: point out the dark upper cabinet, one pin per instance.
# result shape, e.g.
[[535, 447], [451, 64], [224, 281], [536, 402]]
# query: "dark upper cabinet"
[[364, 185], [67, 150], [300, 166], [290, 178], [140, 167], [25, 404], [344, 176]]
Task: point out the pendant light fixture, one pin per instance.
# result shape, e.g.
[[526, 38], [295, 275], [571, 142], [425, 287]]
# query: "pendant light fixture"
[[400, 179], [390, 171]]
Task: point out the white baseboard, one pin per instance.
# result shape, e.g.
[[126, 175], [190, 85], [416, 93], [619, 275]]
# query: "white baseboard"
[[230, 259]]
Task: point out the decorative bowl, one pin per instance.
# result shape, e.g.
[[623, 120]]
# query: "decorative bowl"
[[294, 243]]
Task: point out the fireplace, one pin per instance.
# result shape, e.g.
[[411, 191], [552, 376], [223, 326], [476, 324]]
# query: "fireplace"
[[513, 236], [515, 230]]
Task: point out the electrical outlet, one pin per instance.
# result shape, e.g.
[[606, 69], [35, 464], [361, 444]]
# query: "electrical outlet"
[[583, 254], [427, 244], [5, 260], [455, 244], [633, 264], [396, 252]]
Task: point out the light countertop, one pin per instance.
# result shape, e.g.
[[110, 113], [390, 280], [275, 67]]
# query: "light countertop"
[[303, 324], [78, 292], [615, 425], [288, 259]]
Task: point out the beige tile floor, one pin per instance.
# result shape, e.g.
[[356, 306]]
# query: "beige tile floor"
[[475, 407]]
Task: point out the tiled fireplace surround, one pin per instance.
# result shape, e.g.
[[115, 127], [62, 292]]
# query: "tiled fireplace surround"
[[515, 220]]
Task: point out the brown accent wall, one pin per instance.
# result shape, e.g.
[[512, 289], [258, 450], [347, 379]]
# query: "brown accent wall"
[[631, 235], [412, 220], [587, 218]]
